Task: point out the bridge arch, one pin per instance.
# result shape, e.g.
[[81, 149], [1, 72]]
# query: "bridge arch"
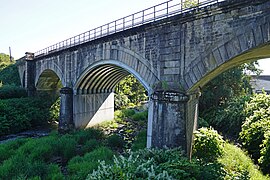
[[49, 82], [93, 92], [51, 68], [250, 44], [103, 76]]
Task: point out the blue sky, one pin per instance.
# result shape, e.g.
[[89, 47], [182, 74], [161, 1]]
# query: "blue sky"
[[31, 25]]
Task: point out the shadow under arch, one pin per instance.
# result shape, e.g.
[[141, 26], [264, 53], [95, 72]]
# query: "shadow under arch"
[[49, 83]]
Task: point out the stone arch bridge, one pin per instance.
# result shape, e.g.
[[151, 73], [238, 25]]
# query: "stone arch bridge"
[[172, 51]]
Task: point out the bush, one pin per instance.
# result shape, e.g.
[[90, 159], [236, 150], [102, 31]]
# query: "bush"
[[79, 167], [90, 145], [155, 164], [9, 148], [22, 113], [140, 116], [12, 91], [228, 118], [10, 75], [55, 111], [264, 160], [66, 146], [83, 136], [202, 123], [256, 125], [208, 144], [115, 141], [140, 141], [238, 165], [127, 113]]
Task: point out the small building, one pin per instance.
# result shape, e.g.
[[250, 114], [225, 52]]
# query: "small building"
[[260, 82]]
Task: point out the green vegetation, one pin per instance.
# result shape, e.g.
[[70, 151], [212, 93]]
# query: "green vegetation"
[[208, 145], [227, 105], [256, 129], [20, 114], [232, 163], [129, 93], [12, 91], [44, 157], [8, 71], [238, 165]]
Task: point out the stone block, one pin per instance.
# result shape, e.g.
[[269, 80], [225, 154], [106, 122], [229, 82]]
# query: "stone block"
[[171, 71]]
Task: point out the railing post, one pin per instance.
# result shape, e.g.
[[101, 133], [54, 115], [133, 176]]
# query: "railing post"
[[100, 30], [123, 23], [143, 17], [154, 13], [132, 20], [167, 9]]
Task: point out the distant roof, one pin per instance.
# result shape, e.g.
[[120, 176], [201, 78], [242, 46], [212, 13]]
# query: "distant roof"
[[262, 77]]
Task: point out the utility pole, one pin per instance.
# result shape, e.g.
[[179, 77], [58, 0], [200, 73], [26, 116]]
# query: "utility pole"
[[10, 58]]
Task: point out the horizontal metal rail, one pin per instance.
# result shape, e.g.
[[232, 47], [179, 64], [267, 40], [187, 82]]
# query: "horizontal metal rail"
[[157, 12]]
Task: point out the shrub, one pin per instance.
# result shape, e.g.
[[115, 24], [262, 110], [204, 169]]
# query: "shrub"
[[140, 116], [79, 167], [10, 75], [22, 113], [90, 145], [264, 160], [20, 165], [12, 91], [66, 146], [127, 113], [229, 118], [256, 124], [208, 144], [202, 123], [238, 165], [140, 141], [155, 164], [36, 150], [115, 141], [55, 110], [9, 148], [54, 172], [83, 136]]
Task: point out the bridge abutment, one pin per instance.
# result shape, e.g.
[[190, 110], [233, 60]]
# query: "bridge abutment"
[[66, 110]]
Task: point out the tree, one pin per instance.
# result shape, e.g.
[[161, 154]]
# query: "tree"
[[8, 71], [232, 83], [4, 60], [129, 91]]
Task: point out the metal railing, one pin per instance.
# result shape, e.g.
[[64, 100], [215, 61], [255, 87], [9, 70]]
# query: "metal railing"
[[157, 12]]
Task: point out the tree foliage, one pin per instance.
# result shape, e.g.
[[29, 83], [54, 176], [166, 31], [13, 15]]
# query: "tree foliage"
[[5, 60], [257, 124], [128, 92], [232, 83], [8, 70], [208, 144]]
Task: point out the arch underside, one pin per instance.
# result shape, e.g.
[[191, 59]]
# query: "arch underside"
[[101, 79], [48, 81], [252, 55]]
